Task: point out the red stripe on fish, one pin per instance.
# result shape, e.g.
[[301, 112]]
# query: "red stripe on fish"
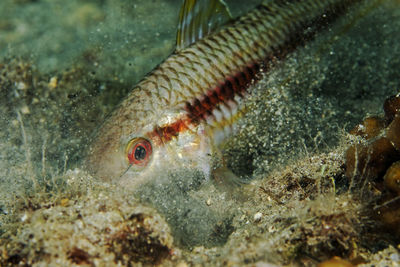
[[199, 110], [163, 134], [234, 85]]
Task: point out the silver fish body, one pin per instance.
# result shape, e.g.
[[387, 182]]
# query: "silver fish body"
[[180, 112]]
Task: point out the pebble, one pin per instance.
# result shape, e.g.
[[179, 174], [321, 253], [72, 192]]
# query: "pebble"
[[257, 216], [64, 202], [24, 217], [25, 110], [21, 86], [53, 82]]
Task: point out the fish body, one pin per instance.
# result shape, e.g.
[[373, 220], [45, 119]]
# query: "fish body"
[[186, 107]]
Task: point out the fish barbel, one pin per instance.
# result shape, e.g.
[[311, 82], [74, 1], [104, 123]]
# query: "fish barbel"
[[180, 112]]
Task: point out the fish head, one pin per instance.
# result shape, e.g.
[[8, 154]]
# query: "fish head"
[[138, 141]]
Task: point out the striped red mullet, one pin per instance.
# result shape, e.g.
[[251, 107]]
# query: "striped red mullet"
[[198, 90]]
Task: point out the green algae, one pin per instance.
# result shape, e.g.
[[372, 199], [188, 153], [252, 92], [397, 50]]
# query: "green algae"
[[297, 210]]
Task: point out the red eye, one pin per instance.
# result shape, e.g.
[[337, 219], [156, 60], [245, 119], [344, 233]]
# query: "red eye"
[[138, 151]]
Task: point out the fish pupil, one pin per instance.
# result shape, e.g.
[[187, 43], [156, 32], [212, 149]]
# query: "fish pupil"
[[140, 153]]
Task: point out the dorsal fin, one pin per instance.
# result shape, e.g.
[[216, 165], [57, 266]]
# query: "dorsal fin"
[[199, 18]]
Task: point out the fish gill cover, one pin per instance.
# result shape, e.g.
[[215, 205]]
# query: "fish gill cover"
[[66, 64]]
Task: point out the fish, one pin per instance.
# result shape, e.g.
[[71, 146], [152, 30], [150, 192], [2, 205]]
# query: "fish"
[[181, 113]]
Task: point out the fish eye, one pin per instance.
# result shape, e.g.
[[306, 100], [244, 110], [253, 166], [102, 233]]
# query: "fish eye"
[[138, 151]]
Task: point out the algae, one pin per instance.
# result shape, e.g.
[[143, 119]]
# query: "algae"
[[65, 64]]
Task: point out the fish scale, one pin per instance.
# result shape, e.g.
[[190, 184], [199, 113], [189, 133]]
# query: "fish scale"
[[204, 84]]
